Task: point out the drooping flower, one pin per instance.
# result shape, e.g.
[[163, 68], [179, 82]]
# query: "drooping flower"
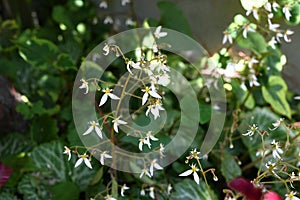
[[145, 171], [149, 91], [84, 158], [103, 156], [227, 37], [251, 131], [151, 137], [286, 11], [107, 93], [68, 152], [169, 189], [103, 4], [158, 34], [277, 124], [272, 42], [108, 20], [151, 193], [117, 121], [155, 165], [143, 141], [193, 171], [161, 150], [123, 188], [84, 85], [133, 65], [94, 125], [129, 22], [276, 150], [247, 28], [253, 10]]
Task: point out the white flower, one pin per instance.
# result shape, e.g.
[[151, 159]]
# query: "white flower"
[[84, 158], [133, 65], [227, 36], [163, 79], [94, 125], [251, 62], [286, 35], [151, 194], [103, 4], [129, 22], [253, 80], [192, 171], [107, 93], [142, 192], [152, 93], [273, 27], [277, 124], [84, 85], [151, 137], [268, 7], [103, 156], [145, 171], [254, 12], [68, 152], [106, 49], [155, 165], [144, 141], [291, 196], [108, 20], [247, 28], [159, 34], [195, 154], [118, 122], [124, 2], [276, 150], [154, 109], [108, 197], [286, 11], [169, 189], [275, 6], [161, 150], [123, 188], [272, 42], [252, 130], [297, 97]]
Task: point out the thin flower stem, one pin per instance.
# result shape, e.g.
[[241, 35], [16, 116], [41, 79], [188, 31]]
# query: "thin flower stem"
[[205, 180]]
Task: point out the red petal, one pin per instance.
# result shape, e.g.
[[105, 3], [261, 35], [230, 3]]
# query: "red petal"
[[5, 173], [246, 188], [272, 196]]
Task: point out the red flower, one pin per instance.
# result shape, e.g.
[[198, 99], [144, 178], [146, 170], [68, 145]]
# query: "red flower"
[[5, 173], [250, 191]]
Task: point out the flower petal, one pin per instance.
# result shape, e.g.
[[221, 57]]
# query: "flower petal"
[[196, 177], [113, 96], [103, 99], [90, 129], [186, 173], [78, 162], [98, 131], [87, 163], [145, 98]]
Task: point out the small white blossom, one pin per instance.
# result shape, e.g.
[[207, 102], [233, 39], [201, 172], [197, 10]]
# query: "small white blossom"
[[276, 150], [94, 125], [268, 7], [273, 27], [103, 4], [253, 80], [275, 6], [161, 150], [118, 122], [145, 171], [247, 28], [151, 137], [103, 156], [251, 131], [84, 85], [272, 42], [133, 65], [143, 141], [169, 189], [129, 22], [106, 49], [108, 197], [152, 92], [108, 20], [107, 93], [297, 97], [277, 124], [227, 37], [253, 11], [193, 171], [286, 35], [84, 158], [158, 34], [155, 165], [286, 11], [123, 188], [151, 193], [68, 152], [251, 62], [291, 196], [142, 192], [124, 2]]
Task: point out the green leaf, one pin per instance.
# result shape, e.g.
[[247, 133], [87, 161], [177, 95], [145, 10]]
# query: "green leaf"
[[37, 52], [189, 190], [241, 94], [65, 191], [248, 5], [229, 167], [205, 112], [114, 188], [254, 41], [7, 196], [61, 16], [275, 94], [97, 177], [170, 13], [295, 18], [44, 129], [64, 62]]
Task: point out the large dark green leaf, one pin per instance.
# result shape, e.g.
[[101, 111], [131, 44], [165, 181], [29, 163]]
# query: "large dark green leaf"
[[170, 13], [7, 196], [229, 167], [65, 191], [275, 94], [44, 129], [189, 190], [13, 144]]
